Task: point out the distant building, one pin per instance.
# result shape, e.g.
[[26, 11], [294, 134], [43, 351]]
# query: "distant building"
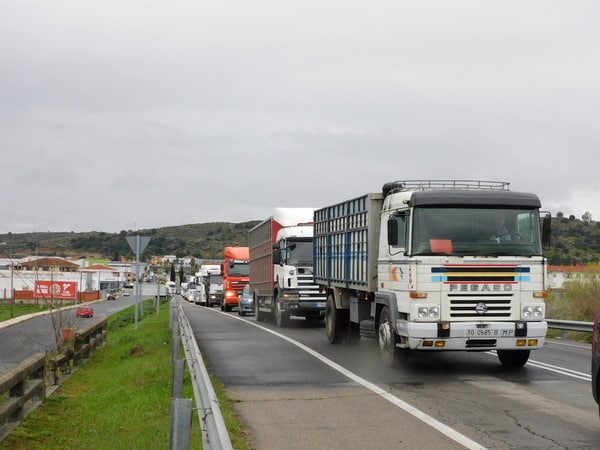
[[557, 275]]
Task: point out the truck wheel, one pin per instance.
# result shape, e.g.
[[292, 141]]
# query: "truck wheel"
[[282, 318], [336, 322], [387, 338], [513, 358], [367, 329]]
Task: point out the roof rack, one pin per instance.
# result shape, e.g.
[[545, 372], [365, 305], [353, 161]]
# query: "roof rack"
[[422, 185]]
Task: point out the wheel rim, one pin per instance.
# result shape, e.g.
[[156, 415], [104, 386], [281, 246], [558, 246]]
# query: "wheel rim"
[[385, 336]]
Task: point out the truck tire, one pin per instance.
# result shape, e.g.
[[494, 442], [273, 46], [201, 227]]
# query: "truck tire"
[[367, 329], [391, 355], [336, 322], [513, 358], [282, 317]]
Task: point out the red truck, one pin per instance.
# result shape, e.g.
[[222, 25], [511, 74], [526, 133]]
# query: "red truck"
[[235, 273]]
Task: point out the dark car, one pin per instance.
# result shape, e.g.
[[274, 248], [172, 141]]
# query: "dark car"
[[596, 358], [246, 302], [84, 311]]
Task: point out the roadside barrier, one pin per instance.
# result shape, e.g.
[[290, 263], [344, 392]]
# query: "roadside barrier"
[[214, 432], [23, 387]]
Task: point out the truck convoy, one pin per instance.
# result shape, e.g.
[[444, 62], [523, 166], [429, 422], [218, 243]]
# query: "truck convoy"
[[281, 272], [435, 265], [212, 281], [234, 270]]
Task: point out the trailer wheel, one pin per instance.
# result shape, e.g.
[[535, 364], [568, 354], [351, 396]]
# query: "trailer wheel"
[[336, 322], [513, 358], [391, 355], [282, 318], [367, 329]]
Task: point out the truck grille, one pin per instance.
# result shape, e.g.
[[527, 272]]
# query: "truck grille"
[[480, 306], [308, 290], [481, 292]]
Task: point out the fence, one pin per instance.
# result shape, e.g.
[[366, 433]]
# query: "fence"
[[214, 432]]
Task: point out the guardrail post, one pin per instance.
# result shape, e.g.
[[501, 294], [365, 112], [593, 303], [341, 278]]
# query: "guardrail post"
[[173, 314], [181, 423], [177, 389]]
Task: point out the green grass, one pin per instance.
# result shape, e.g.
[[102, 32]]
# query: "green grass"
[[21, 310], [120, 398]]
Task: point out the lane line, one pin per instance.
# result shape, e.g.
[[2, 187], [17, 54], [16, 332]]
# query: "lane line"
[[423, 417], [557, 369]]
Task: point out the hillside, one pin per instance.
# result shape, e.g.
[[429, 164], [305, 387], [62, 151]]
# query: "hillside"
[[573, 242], [203, 240]]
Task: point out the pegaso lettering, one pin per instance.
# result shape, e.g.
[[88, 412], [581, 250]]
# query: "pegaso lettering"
[[480, 288]]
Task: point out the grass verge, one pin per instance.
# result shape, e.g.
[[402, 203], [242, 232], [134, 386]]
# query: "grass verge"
[[6, 311], [120, 398]]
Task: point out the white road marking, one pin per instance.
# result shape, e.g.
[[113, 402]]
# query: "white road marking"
[[434, 423]]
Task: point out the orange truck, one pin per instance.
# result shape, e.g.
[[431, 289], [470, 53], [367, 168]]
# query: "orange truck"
[[235, 271]]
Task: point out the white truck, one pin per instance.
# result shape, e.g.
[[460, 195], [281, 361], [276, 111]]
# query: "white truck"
[[424, 265], [212, 281], [281, 272]]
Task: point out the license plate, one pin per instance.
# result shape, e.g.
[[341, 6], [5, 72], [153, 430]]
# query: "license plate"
[[488, 332], [321, 305]]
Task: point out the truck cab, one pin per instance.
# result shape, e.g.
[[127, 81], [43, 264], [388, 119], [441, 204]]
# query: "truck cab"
[[235, 273]]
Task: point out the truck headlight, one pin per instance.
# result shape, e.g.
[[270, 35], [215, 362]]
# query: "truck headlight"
[[428, 312], [532, 311]]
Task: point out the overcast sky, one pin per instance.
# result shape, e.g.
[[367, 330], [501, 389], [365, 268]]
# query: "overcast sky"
[[125, 115]]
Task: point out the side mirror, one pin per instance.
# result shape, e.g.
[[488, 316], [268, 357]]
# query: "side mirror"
[[276, 258], [546, 231]]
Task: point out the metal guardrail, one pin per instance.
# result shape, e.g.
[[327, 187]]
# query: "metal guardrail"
[[570, 325], [214, 432]]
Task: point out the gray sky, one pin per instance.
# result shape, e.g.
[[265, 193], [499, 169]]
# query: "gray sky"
[[124, 115]]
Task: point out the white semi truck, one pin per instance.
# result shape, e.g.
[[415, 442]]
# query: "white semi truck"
[[212, 281], [281, 272], [435, 265]]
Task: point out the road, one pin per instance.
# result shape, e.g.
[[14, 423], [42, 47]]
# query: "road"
[[295, 390], [36, 334]]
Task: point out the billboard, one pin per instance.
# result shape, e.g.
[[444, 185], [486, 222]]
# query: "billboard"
[[56, 289]]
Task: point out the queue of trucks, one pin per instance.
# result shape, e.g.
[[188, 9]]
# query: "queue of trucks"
[[422, 265]]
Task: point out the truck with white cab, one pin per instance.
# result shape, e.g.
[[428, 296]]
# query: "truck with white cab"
[[435, 265], [211, 279], [281, 272]]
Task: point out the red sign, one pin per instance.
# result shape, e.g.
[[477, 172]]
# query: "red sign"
[[56, 289]]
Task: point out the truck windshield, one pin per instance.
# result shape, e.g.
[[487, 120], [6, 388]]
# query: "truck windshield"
[[299, 253], [216, 279], [238, 269], [476, 231]]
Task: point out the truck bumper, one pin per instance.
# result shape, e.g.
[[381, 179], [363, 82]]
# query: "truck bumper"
[[215, 299], [305, 308], [474, 335]]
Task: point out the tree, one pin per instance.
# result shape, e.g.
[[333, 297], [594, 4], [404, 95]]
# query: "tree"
[[172, 276], [181, 275]]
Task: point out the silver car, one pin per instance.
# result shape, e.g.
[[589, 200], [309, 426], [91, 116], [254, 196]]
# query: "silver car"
[[246, 302]]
